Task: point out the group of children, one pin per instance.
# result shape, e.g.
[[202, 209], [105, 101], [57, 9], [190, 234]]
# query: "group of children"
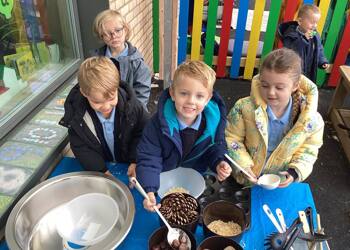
[[277, 129]]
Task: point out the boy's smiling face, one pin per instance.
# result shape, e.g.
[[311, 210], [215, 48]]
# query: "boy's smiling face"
[[190, 97], [102, 104]]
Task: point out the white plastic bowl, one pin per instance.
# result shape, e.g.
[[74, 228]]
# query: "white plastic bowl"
[[87, 219], [186, 178], [269, 181]]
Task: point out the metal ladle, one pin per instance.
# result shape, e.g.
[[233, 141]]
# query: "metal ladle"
[[173, 233]]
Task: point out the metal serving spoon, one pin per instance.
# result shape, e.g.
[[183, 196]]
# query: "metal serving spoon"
[[173, 233]]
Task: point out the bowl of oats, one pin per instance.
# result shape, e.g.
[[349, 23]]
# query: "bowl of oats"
[[224, 218], [181, 180]]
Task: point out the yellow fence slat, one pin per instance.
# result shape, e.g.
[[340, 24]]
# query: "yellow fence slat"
[[197, 29], [254, 38], [324, 6]]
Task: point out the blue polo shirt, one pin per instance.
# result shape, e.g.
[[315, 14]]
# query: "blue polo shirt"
[[277, 127], [194, 125], [108, 129], [123, 53]]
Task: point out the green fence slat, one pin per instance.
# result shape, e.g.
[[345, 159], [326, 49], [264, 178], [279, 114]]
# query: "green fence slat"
[[271, 28], [210, 32], [332, 36], [155, 12]]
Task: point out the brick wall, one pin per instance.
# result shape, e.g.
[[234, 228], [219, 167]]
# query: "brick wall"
[[138, 14]]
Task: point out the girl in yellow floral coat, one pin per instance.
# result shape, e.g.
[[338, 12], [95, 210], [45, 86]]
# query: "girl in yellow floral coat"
[[277, 129]]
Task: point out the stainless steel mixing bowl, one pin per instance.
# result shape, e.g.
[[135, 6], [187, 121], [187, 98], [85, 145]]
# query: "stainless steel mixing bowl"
[[31, 224]]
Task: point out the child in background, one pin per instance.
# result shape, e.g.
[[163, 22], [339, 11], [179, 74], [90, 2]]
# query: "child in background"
[[302, 37], [111, 27], [103, 117], [187, 130], [277, 129]]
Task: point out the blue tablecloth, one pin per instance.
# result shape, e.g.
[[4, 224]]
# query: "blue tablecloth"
[[291, 199]]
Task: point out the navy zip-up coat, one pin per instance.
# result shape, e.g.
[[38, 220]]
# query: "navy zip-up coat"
[[160, 148], [86, 132], [296, 41]]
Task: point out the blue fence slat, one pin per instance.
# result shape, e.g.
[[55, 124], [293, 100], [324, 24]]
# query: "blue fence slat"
[[239, 38], [183, 26]]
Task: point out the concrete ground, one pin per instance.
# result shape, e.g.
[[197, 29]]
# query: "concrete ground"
[[330, 179]]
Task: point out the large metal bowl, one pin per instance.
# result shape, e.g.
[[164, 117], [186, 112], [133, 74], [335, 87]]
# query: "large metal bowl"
[[31, 224]]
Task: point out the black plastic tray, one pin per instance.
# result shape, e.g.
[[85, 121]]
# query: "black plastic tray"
[[228, 190]]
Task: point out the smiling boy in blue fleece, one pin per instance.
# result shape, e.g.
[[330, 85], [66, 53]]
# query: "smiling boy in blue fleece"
[[187, 130]]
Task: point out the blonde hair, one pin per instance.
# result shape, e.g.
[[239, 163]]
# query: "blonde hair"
[[98, 73], [106, 15], [306, 9], [197, 70], [286, 61]]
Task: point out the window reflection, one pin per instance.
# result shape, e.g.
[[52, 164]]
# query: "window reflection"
[[36, 44]]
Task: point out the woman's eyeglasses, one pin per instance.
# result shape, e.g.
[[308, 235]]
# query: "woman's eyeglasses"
[[116, 32]]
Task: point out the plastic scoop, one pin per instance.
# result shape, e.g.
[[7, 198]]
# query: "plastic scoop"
[[173, 233]]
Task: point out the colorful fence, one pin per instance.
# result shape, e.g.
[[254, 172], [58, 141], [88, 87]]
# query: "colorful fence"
[[262, 35]]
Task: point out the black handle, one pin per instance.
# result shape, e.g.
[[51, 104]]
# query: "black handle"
[[295, 223], [310, 219], [292, 227], [292, 238]]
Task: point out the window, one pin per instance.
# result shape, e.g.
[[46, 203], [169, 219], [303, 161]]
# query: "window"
[[38, 51]]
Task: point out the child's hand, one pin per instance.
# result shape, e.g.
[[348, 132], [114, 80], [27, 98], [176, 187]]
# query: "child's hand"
[[223, 170], [148, 204], [254, 179], [131, 173], [325, 66], [132, 170], [289, 179]]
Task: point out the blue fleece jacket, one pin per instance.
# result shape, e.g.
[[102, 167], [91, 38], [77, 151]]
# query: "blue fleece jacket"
[[160, 148]]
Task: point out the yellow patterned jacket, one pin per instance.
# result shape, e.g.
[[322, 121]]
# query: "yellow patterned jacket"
[[247, 135]]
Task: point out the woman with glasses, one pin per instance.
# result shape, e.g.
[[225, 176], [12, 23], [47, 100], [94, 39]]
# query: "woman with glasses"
[[110, 26]]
